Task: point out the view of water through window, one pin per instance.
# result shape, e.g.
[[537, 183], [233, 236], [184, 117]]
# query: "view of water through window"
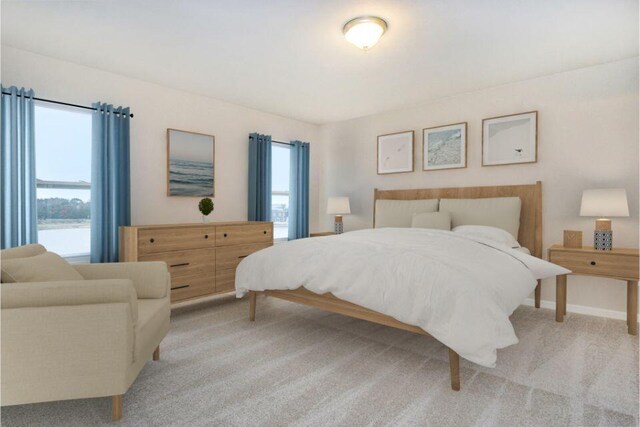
[[280, 161], [63, 173]]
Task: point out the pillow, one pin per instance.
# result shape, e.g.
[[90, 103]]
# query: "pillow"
[[500, 212], [398, 213], [46, 267], [22, 251], [435, 220], [494, 234]]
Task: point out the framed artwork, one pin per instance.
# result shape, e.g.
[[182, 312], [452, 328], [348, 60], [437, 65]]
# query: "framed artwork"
[[511, 139], [444, 147], [395, 152], [190, 164]]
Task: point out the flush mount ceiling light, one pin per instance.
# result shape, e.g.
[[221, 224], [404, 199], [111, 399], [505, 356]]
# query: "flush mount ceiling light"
[[365, 31]]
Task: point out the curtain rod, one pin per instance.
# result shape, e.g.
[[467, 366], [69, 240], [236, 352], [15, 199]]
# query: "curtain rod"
[[280, 142], [65, 103]]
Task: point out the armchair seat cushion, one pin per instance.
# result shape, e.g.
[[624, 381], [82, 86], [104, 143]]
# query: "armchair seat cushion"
[[151, 327]]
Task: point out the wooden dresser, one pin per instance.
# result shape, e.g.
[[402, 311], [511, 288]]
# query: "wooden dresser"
[[202, 258]]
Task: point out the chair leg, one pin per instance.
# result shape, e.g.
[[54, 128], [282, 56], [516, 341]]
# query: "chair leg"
[[116, 407], [156, 353], [454, 365], [252, 306]]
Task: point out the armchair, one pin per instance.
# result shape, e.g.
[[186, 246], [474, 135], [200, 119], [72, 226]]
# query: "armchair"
[[82, 338]]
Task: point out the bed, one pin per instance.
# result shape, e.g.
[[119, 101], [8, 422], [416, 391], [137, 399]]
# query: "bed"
[[393, 272]]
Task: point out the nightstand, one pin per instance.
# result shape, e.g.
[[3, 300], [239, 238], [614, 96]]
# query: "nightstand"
[[621, 264], [322, 233]]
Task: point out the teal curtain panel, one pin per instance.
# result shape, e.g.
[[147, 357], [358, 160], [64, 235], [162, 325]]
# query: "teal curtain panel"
[[299, 191], [18, 159], [110, 180], [259, 177]]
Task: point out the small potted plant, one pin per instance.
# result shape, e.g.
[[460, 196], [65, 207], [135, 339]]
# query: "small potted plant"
[[206, 207]]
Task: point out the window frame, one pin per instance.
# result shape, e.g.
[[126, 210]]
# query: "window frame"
[[287, 146]]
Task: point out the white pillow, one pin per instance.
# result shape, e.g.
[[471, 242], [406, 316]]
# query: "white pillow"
[[494, 234], [435, 220]]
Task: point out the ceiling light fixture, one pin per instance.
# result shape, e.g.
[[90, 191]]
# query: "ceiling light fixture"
[[364, 31]]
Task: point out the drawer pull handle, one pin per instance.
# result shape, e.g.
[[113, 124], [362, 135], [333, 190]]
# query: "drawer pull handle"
[[206, 236], [265, 232], [593, 263], [152, 240], [243, 256], [179, 265], [180, 287], [225, 234]]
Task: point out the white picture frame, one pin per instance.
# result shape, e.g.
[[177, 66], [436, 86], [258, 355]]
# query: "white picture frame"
[[510, 139], [395, 152], [444, 147]]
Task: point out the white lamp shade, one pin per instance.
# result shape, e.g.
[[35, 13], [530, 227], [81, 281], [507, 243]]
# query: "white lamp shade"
[[604, 202], [338, 206]]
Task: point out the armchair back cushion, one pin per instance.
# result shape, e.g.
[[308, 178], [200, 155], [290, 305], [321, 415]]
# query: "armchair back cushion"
[[45, 267], [22, 251]]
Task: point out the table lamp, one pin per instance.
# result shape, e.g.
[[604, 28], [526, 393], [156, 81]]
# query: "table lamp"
[[604, 203], [338, 206]]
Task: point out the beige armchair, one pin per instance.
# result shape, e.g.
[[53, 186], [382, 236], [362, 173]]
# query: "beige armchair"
[[81, 338]]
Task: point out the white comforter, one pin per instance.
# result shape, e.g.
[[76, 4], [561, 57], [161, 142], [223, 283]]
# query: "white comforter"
[[459, 290]]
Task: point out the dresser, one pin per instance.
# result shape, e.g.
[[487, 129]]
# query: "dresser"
[[621, 264], [202, 258]]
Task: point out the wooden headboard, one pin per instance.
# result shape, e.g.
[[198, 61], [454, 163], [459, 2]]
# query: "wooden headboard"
[[530, 232]]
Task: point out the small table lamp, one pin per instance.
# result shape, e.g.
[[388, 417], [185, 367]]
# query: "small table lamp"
[[604, 203], [338, 206]]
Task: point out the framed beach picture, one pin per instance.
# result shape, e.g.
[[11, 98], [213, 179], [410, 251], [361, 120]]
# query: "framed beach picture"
[[190, 164], [395, 153], [444, 147], [511, 139]]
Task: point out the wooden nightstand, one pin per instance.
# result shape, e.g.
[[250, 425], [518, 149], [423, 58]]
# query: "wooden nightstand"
[[322, 233], [619, 264]]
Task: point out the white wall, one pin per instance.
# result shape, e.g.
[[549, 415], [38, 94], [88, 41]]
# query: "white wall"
[[157, 108], [588, 138]]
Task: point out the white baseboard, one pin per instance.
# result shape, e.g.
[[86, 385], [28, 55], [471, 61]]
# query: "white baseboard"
[[581, 309]]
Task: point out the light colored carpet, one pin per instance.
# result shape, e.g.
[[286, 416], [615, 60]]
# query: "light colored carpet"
[[303, 367]]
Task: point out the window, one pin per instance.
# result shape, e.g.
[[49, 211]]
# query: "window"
[[280, 161], [63, 179]]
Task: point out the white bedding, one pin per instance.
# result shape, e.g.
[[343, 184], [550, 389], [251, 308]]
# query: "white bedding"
[[460, 290]]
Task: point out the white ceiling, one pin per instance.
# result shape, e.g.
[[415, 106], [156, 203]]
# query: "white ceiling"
[[289, 56]]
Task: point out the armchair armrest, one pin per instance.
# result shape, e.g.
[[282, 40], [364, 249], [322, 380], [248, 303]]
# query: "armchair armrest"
[[150, 279], [70, 293]]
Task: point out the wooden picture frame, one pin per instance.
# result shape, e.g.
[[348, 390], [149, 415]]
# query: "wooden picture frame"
[[187, 173], [510, 139], [394, 154], [450, 141]]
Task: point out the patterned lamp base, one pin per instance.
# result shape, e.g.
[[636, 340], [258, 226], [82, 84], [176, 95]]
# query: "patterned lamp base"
[[338, 228], [603, 240]]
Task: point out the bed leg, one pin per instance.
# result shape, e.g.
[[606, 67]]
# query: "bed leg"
[[454, 364], [252, 306], [538, 293]]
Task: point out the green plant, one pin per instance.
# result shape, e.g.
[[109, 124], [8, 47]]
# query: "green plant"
[[205, 206]]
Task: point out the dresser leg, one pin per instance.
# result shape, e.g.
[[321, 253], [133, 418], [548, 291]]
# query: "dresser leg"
[[561, 297], [538, 292], [632, 307]]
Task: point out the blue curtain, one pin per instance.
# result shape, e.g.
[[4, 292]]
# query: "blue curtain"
[[299, 191], [259, 177], [110, 180], [18, 159]]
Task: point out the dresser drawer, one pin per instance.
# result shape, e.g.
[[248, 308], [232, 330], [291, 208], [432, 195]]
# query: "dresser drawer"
[[186, 263], [230, 257], [174, 239], [243, 234], [184, 287], [598, 264], [226, 280]]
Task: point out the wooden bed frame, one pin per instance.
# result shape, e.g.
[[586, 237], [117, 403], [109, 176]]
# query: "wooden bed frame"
[[529, 236]]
